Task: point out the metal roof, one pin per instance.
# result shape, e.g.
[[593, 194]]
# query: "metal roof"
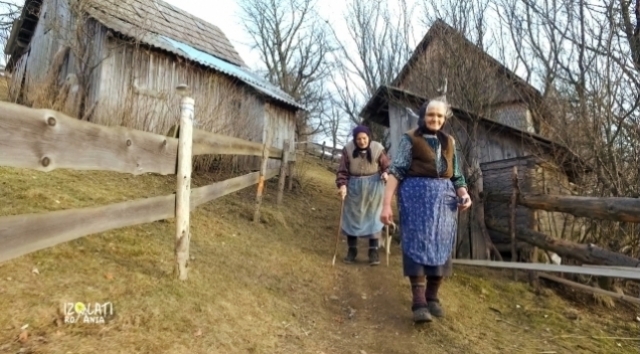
[[235, 71]]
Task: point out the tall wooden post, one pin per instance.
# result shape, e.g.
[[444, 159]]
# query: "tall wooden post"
[[292, 164], [512, 220], [284, 163], [183, 188], [263, 172]]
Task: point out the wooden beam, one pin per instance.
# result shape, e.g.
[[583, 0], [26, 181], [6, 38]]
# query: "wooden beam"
[[628, 273], [616, 209], [46, 140], [585, 253], [590, 289], [206, 143], [284, 163], [27, 233], [22, 234], [261, 180], [214, 191], [512, 219]]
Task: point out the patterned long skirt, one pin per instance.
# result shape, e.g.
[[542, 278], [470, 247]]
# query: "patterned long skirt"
[[428, 223], [362, 207]]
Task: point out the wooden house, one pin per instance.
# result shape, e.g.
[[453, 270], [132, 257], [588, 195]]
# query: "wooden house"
[[546, 167], [118, 62], [473, 80], [498, 123]]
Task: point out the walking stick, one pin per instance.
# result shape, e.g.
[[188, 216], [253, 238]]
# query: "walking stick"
[[387, 241], [335, 250]]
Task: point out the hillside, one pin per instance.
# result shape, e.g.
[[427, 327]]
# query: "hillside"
[[260, 288]]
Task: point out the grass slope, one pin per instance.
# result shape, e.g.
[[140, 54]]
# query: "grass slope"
[[258, 288]]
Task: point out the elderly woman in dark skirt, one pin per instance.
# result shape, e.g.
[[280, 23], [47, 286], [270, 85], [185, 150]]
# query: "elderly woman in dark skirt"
[[431, 189], [359, 179]]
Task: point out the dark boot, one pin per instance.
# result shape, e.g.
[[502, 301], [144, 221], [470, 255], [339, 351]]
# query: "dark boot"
[[352, 253], [374, 258]]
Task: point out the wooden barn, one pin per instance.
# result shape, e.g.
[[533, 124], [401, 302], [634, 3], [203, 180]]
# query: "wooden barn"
[[500, 121], [118, 62], [545, 166]]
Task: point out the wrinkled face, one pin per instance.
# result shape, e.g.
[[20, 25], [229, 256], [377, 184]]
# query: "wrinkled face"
[[362, 140], [434, 118]]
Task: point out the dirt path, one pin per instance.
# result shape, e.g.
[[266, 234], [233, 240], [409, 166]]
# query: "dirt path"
[[486, 312], [261, 288]]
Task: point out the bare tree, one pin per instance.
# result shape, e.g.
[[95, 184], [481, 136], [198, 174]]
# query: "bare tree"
[[468, 17], [333, 122], [584, 57], [9, 12], [372, 55], [293, 44]]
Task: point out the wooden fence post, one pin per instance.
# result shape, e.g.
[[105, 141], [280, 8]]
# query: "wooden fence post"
[[292, 164], [512, 220], [284, 163], [183, 189], [263, 172]]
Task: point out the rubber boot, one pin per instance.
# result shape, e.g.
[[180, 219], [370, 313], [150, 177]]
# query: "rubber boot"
[[374, 257]]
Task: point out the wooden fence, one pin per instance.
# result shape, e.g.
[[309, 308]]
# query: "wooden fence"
[[322, 151], [596, 261], [46, 140]]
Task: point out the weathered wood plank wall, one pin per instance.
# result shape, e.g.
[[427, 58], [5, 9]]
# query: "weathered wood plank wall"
[[134, 86]]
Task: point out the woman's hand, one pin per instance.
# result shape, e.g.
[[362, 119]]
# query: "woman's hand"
[[342, 191], [384, 176], [465, 199], [386, 216]]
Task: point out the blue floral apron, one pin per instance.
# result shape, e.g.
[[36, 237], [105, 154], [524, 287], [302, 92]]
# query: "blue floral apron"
[[428, 219]]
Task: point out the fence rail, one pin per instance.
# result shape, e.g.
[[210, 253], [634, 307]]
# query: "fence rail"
[[45, 140], [610, 264]]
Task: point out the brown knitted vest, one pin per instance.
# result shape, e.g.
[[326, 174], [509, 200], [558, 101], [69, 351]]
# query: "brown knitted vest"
[[423, 156]]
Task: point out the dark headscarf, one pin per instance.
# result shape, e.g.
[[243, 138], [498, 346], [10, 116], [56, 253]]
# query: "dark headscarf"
[[422, 126], [356, 152]]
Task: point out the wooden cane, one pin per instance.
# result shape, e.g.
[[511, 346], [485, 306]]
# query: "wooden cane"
[[387, 245], [335, 250], [387, 241]]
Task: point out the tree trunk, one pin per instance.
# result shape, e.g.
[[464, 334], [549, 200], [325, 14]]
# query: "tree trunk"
[[615, 209], [590, 254]]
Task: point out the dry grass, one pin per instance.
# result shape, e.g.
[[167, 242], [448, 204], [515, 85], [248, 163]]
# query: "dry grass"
[[265, 288], [259, 288]]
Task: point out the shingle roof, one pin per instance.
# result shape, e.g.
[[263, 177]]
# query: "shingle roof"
[[136, 18], [165, 27], [160, 25]]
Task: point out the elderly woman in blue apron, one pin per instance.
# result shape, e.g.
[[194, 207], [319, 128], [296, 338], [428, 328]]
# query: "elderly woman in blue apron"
[[360, 181], [431, 189]]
